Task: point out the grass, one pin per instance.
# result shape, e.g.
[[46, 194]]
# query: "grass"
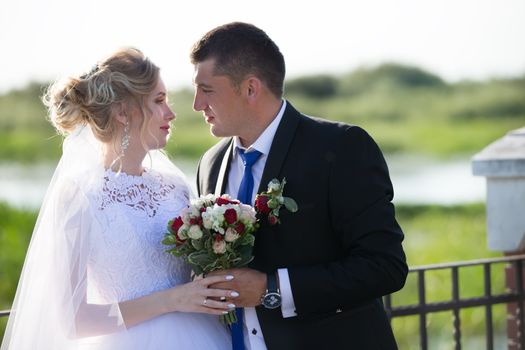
[[15, 232], [436, 234], [433, 234]]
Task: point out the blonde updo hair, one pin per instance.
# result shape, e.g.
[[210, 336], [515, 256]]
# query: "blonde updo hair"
[[126, 76]]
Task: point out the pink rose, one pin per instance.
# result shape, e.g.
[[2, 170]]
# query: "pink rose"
[[272, 219], [219, 245]]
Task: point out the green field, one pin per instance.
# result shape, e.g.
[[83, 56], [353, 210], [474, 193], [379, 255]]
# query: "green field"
[[406, 110]]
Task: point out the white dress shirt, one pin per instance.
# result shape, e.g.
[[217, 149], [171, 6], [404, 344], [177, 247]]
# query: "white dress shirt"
[[253, 337]]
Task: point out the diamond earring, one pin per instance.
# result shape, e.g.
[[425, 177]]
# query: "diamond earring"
[[124, 144]]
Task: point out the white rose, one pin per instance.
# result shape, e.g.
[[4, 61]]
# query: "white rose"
[[217, 217], [219, 247], [183, 232], [274, 185], [185, 215], [231, 235], [195, 211], [207, 219], [195, 232]]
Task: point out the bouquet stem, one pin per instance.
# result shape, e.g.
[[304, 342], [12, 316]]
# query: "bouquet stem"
[[229, 318]]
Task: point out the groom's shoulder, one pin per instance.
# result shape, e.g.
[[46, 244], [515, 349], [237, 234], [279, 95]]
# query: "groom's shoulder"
[[332, 133], [317, 124], [329, 128]]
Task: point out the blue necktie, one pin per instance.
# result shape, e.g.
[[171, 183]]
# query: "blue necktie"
[[245, 196]]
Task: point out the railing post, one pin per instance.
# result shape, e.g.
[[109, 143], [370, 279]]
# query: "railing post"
[[489, 327], [423, 340], [503, 165], [455, 311]]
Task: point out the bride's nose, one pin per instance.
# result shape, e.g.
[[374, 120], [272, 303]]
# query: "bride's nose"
[[170, 115]]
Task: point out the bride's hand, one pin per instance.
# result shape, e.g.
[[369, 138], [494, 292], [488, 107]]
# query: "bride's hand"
[[196, 296]]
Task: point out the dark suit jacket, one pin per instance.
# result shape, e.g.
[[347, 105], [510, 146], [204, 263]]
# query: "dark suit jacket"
[[342, 248]]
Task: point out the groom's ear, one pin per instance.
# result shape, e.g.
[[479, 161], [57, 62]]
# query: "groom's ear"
[[252, 87]]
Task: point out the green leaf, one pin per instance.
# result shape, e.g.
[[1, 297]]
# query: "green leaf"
[[244, 260], [197, 244], [246, 240], [245, 251], [290, 204], [200, 258], [273, 203], [197, 269], [169, 240]]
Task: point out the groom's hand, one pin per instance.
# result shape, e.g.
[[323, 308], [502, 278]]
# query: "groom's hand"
[[249, 283]]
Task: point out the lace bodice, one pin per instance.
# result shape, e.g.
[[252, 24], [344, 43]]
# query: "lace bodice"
[[127, 259]]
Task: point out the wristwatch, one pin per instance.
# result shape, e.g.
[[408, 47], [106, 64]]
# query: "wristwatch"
[[271, 299]]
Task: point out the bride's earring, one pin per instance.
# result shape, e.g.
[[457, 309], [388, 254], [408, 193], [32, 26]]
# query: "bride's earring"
[[124, 144]]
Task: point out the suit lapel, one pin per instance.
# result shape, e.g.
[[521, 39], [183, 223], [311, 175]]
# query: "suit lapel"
[[220, 186], [281, 143]]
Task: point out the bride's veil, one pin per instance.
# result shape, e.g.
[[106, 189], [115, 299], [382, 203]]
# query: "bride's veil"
[[50, 309]]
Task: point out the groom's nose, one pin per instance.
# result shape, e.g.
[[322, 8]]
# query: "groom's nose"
[[198, 101]]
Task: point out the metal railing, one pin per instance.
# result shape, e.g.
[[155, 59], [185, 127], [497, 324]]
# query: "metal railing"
[[488, 299], [422, 308]]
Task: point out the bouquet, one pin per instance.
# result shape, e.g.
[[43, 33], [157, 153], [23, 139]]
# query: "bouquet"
[[217, 232], [269, 203]]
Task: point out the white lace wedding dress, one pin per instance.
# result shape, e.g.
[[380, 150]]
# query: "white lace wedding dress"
[[96, 243], [131, 262]]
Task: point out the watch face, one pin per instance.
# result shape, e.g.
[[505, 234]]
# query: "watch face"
[[272, 300]]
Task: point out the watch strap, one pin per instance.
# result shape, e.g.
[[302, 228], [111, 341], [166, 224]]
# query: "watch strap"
[[271, 282]]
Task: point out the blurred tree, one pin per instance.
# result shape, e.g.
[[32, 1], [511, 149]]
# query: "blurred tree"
[[387, 76], [315, 86]]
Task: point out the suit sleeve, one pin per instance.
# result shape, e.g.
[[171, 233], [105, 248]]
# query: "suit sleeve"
[[362, 216]]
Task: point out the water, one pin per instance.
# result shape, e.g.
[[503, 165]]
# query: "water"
[[416, 181]]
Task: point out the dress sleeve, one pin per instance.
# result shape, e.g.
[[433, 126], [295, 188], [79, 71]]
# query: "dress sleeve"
[[50, 309], [82, 318]]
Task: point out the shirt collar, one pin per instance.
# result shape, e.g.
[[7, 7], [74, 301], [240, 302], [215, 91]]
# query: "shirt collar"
[[264, 141]]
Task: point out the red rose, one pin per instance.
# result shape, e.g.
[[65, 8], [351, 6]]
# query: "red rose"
[[272, 219], [176, 224], [230, 215], [261, 203], [240, 228], [196, 221], [223, 201], [218, 237]]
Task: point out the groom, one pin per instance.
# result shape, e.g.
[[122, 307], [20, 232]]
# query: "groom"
[[318, 277]]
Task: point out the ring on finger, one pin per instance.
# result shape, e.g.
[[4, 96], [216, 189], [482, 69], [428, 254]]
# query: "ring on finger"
[[223, 298], [205, 301]]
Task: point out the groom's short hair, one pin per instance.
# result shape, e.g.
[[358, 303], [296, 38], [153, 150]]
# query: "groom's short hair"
[[240, 49]]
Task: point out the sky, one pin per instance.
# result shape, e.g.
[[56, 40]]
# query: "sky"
[[43, 40]]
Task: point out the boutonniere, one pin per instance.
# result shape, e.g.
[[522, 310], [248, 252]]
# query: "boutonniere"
[[270, 202]]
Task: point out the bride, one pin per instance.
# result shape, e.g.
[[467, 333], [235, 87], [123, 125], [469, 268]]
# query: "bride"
[[96, 275]]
